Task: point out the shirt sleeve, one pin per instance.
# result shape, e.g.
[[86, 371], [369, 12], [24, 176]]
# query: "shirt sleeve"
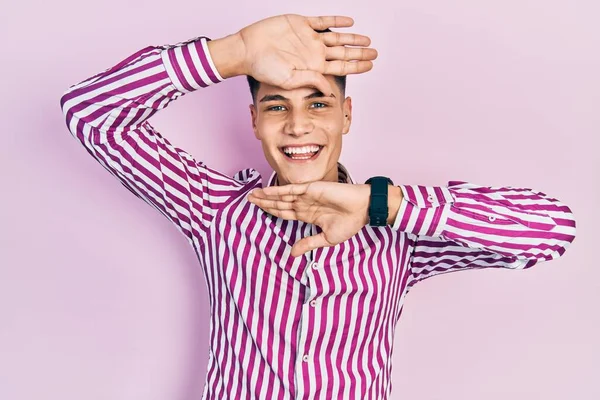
[[108, 113], [468, 226]]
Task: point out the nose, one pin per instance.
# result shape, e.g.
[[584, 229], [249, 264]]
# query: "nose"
[[298, 123]]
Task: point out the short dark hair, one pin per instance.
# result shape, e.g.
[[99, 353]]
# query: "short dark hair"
[[255, 85]]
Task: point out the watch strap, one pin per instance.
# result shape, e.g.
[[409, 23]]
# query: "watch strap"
[[378, 201]]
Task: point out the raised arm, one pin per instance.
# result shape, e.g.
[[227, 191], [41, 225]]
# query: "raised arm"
[[109, 112]]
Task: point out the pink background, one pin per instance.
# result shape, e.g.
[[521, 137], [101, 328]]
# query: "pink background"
[[100, 296]]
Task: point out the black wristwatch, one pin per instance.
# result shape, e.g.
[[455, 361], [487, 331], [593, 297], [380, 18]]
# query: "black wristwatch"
[[378, 202]]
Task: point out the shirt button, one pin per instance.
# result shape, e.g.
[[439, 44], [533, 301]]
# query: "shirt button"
[[430, 198], [492, 218], [313, 303], [305, 358], [315, 265]]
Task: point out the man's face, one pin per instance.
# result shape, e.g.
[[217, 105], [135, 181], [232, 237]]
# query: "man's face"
[[292, 124]]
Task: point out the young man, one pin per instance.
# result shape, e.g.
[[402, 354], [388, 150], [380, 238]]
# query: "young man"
[[306, 276]]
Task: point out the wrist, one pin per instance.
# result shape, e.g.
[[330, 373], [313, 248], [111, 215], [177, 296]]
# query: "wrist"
[[228, 55], [394, 200], [366, 195]]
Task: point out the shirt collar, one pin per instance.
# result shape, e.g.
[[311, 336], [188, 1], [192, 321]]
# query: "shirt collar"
[[343, 176]]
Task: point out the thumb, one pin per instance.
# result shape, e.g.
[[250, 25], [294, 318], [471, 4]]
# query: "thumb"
[[306, 77], [309, 243]]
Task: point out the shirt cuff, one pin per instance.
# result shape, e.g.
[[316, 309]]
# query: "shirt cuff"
[[423, 210], [190, 65]]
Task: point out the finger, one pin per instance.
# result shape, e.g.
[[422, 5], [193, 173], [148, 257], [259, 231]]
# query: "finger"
[[324, 22], [277, 204], [283, 197], [290, 189], [309, 243], [341, 68], [263, 195], [303, 78], [288, 197], [350, 53], [285, 214], [344, 39]]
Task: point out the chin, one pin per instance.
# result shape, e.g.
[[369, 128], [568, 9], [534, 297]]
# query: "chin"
[[298, 178]]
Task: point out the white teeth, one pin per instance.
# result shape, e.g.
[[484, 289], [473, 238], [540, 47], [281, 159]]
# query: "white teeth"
[[301, 150]]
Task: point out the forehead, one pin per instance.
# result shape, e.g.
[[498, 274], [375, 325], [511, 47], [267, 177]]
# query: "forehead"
[[295, 94]]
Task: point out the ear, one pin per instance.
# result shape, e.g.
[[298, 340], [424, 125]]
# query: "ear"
[[347, 109], [253, 115]]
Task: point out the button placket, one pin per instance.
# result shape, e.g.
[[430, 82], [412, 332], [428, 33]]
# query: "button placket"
[[305, 356], [305, 334], [302, 351], [307, 308]]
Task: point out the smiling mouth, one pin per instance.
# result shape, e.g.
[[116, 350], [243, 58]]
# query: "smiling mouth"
[[301, 155]]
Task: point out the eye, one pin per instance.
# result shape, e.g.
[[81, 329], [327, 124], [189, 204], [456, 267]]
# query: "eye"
[[322, 104], [276, 108]]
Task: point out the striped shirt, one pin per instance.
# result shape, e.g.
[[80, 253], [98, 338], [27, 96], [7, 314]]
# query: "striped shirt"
[[318, 326]]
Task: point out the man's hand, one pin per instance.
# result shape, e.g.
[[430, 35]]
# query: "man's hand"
[[340, 210], [287, 52]]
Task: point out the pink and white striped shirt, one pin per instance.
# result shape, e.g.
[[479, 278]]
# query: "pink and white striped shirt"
[[319, 326]]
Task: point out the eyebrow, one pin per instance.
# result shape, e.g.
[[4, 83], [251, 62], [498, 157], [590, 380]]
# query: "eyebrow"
[[278, 97]]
